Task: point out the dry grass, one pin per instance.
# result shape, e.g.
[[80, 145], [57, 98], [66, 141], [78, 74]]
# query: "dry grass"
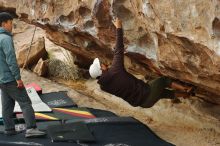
[[65, 69]]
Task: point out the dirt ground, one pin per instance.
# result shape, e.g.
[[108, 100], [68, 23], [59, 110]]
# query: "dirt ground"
[[177, 133]]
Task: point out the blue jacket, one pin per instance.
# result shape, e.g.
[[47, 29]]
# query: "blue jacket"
[[9, 70]]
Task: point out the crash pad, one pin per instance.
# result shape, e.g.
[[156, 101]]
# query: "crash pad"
[[57, 99], [62, 114], [41, 116], [122, 131], [108, 131], [35, 86], [73, 113], [72, 132], [42, 125], [37, 103]]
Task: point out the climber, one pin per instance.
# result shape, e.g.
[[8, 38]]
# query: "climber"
[[11, 85], [117, 81]]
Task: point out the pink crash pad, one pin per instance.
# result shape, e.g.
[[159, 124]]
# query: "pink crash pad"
[[35, 86]]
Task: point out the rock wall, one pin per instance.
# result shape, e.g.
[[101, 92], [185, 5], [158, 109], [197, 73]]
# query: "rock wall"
[[181, 38]]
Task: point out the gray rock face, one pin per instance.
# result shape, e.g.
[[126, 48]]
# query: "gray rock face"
[[181, 38]]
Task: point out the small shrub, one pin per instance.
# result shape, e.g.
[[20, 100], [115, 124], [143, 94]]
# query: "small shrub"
[[65, 68]]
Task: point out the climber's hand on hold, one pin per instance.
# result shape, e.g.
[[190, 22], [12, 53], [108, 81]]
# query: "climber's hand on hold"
[[117, 23]]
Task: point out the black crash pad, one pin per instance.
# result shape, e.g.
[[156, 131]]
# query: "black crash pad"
[[57, 99], [107, 131], [72, 132], [124, 131]]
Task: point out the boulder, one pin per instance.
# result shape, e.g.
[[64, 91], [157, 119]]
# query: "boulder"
[[41, 68], [37, 51]]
